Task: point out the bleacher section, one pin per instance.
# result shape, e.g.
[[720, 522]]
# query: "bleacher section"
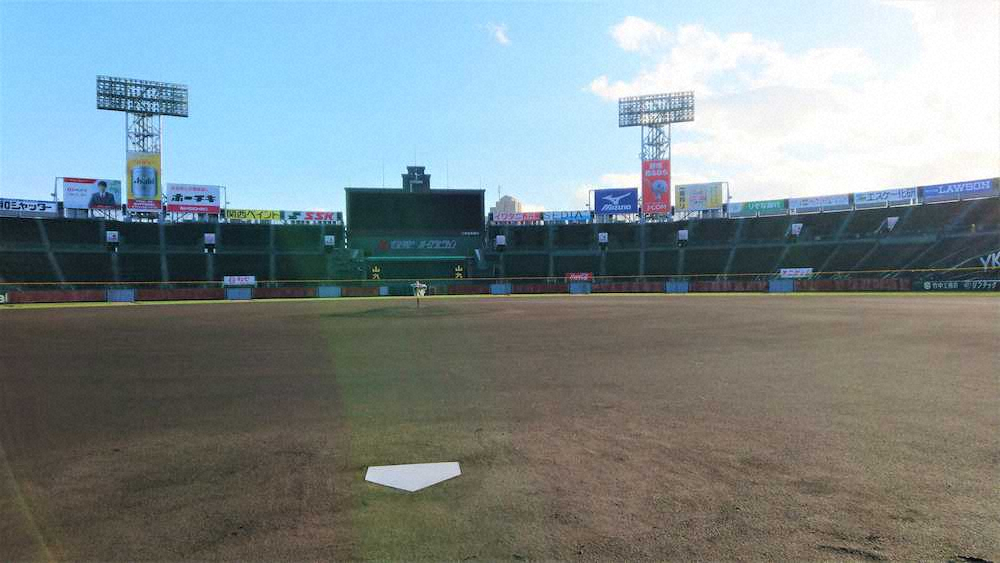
[[19, 232], [18, 267], [187, 235], [137, 235], [756, 260], [939, 236]]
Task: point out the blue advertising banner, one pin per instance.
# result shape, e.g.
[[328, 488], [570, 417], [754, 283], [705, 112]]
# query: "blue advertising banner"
[[616, 201], [958, 190], [566, 216], [882, 198]]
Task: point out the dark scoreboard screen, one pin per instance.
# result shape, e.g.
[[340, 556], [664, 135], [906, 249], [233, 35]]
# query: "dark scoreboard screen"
[[387, 211]]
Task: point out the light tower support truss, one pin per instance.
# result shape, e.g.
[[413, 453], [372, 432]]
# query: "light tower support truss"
[[144, 102], [655, 114]]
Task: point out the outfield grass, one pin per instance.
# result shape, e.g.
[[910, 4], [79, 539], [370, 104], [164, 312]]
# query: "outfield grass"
[[588, 427]]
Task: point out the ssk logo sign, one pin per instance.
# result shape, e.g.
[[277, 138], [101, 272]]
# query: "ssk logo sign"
[[991, 260]]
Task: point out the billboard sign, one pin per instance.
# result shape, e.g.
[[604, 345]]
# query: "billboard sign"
[[959, 190], [753, 208], [579, 276], [820, 203], [796, 272], [881, 198], [193, 198], [143, 176], [230, 281], [959, 285], [615, 201], [313, 216], [385, 245], [526, 217], [656, 186], [990, 260], [90, 193], [253, 215], [699, 197], [566, 216], [28, 208]]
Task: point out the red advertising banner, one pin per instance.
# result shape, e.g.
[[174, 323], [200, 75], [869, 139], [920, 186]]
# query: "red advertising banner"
[[525, 217], [579, 276], [656, 186]]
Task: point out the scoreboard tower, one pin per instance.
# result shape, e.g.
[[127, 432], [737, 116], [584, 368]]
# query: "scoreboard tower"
[[416, 232]]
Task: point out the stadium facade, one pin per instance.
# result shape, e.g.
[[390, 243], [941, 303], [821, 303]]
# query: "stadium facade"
[[892, 239]]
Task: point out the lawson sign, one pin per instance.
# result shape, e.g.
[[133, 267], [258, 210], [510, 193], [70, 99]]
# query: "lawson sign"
[[616, 201], [958, 190]]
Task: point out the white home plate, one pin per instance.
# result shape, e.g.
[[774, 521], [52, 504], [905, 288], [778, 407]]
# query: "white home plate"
[[413, 476]]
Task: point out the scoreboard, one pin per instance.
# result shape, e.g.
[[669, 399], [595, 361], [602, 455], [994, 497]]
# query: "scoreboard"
[[377, 211]]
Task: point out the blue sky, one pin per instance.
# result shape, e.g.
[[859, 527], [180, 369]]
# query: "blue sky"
[[290, 102]]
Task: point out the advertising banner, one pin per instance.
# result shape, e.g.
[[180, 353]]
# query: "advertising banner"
[[615, 201], [193, 198], [143, 176], [656, 186], [385, 245], [881, 198], [526, 217], [820, 203], [958, 285], [253, 215], [89, 193], [796, 272], [579, 276], [566, 216], [28, 208], [699, 197], [335, 217], [991, 260], [236, 281], [959, 190], [753, 208]]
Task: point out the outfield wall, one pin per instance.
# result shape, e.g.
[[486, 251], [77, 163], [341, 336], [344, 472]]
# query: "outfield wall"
[[987, 281]]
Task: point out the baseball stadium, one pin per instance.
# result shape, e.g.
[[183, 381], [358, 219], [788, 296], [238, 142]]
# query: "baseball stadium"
[[664, 373]]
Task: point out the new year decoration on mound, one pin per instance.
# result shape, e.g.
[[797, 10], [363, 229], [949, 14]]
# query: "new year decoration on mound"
[[413, 476]]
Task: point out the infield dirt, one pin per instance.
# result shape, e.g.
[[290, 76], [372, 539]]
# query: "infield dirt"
[[588, 427]]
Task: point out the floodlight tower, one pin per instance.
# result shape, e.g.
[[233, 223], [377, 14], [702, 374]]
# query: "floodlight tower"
[[144, 103], [652, 113]]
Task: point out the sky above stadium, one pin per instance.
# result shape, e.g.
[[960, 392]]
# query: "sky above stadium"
[[292, 101]]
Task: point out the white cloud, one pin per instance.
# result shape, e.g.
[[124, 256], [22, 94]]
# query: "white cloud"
[[619, 180], [635, 34], [777, 123], [532, 207], [499, 33]]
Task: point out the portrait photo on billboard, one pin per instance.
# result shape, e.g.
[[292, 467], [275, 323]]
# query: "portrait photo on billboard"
[[91, 193]]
